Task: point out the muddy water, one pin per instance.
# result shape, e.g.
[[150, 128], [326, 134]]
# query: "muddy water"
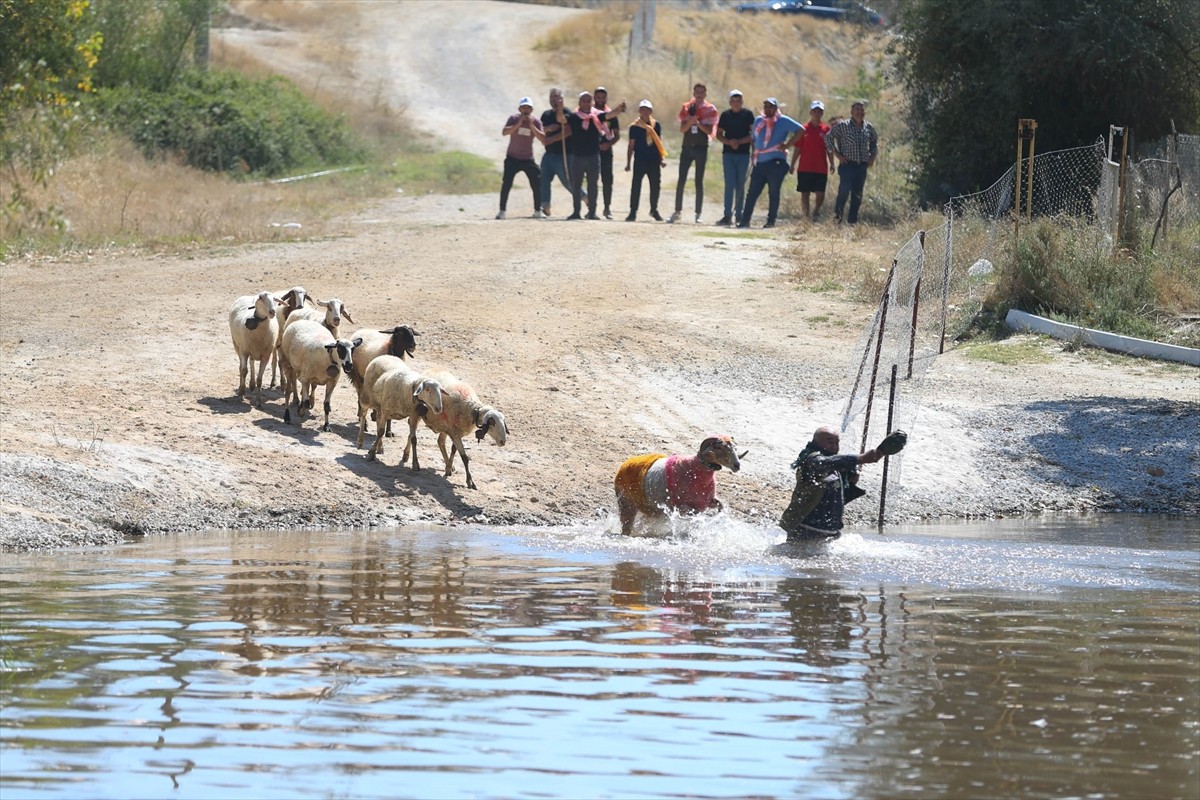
[[1057, 658]]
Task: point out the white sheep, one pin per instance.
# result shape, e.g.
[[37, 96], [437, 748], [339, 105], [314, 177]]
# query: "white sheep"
[[293, 299], [312, 356], [462, 413], [331, 317], [393, 390], [253, 326], [400, 341]]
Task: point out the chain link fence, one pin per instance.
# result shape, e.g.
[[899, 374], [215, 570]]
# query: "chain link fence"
[[940, 277]]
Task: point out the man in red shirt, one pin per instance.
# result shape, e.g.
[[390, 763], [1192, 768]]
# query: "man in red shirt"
[[816, 163]]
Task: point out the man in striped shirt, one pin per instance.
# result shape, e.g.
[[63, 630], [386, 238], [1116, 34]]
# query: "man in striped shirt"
[[855, 144]]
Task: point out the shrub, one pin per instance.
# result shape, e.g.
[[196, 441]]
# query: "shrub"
[[226, 122], [1061, 268]]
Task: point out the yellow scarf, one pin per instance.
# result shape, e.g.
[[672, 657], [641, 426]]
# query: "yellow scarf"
[[654, 137]]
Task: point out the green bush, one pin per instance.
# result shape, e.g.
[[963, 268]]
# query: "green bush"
[[1061, 268], [227, 122]]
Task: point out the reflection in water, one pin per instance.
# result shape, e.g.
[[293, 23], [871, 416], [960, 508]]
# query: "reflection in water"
[[468, 663]]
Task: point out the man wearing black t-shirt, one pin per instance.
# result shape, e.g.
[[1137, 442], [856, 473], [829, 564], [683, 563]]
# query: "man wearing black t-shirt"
[[588, 129], [554, 160], [733, 131]]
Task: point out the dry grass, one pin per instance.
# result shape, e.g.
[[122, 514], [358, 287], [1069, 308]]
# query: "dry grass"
[[792, 57], [112, 194]]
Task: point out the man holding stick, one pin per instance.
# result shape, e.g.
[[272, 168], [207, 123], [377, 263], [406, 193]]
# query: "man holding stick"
[[554, 161]]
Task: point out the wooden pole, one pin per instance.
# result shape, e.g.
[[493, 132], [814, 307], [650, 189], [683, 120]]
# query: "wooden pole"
[[1017, 185], [887, 459], [878, 349], [1121, 185], [1032, 133]]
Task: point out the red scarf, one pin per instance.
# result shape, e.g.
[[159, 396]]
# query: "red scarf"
[[590, 117]]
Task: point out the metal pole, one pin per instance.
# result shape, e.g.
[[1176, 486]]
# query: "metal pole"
[[866, 354], [878, 349], [947, 259], [912, 342], [887, 459]]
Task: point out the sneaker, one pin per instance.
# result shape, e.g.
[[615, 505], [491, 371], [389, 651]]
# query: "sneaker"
[[674, 217], [593, 216], [724, 221], [698, 222], [500, 215], [816, 217], [743, 224], [656, 216], [537, 214], [574, 216], [631, 218], [769, 224], [607, 214], [545, 211]]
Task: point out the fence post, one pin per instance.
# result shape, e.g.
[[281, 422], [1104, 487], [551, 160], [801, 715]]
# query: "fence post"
[[887, 459], [878, 349], [947, 259], [1121, 179]]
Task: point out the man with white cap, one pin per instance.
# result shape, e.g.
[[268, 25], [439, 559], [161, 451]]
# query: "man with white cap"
[[733, 131], [815, 161], [521, 129], [648, 156], [855, 144], [773, 134]]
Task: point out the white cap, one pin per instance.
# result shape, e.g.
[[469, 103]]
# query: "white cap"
[[646, 104], [773, 102], [735, 93], [525, 101], [817, 104]]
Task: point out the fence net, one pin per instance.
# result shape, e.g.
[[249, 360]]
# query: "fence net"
[[940, 277]]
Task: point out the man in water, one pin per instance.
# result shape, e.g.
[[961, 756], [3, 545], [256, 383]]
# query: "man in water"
[[825, 482]]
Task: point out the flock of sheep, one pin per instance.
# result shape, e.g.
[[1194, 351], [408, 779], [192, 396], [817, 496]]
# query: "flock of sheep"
[[302, 345]]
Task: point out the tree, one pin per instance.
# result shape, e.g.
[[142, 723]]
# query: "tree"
[[45, 65], [972, 69]]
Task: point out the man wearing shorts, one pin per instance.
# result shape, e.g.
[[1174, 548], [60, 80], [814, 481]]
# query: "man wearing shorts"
[[815, 161]]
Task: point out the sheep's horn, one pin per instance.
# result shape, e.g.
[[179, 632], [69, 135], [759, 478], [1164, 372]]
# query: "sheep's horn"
[[743, 455]]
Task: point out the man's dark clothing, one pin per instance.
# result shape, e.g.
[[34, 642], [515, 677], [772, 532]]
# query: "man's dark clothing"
[[512, 166], [736, 125], [606, 165], [647, 163], [819, 498], [689, 155], [585, 160], [852, 179]]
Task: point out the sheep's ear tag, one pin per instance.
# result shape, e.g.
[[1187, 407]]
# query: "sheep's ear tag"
[[252, 323], [331, 371]]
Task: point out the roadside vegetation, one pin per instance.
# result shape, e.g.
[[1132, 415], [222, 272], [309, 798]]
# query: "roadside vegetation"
[[112, 134]]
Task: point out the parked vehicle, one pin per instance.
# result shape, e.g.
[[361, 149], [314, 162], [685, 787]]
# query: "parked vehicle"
[[844, 10], [778, 6]]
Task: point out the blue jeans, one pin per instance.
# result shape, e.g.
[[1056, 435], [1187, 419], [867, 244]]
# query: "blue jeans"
[[852, 177], [770, 174], [552, 165], [737, 166]]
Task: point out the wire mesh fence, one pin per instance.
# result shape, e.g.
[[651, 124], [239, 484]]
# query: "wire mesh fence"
[[939, 278]]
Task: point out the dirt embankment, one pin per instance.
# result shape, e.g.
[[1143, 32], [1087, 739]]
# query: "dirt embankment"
[[598, 340]]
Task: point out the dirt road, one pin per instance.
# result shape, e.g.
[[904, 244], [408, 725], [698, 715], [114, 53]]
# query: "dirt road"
[[598, 340]]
